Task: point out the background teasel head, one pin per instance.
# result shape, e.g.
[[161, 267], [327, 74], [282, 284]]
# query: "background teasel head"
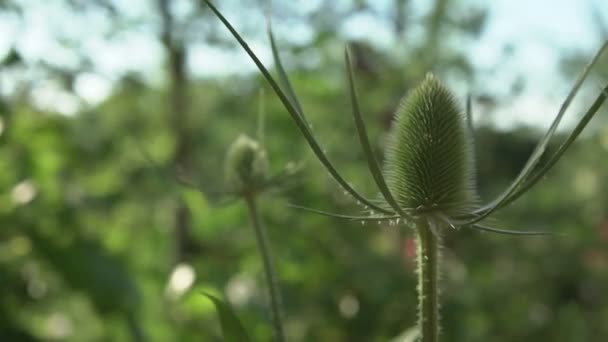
[[246, 165]]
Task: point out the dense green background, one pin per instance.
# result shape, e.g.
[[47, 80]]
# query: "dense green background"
[[91, 228]]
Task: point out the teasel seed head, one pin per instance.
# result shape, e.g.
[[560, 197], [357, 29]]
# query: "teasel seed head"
[[429, 162], [246, 165]]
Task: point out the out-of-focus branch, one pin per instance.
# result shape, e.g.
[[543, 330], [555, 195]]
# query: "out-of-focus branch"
[[178, 106], [399, 20]]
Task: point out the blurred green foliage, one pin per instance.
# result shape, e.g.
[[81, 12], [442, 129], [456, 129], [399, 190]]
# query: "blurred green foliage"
[[88, 249]]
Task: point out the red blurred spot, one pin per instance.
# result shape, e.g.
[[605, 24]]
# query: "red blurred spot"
[[408, 249], [595, 259]]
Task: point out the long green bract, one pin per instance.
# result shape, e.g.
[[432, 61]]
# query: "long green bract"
[[283, 75], [540, 148], [347, 217], [562, 148], [372, 162]]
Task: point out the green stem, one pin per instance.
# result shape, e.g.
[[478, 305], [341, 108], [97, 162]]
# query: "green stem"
[[273, 288], [428, 244], [135, 331]]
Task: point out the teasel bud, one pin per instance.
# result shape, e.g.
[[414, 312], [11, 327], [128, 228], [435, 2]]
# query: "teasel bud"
[[429, 162], [246, 165]]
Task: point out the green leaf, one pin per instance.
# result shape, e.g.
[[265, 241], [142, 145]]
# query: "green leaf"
[[232, 328], [410, 335]]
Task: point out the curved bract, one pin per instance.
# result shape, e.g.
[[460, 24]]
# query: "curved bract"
[[429, 164]]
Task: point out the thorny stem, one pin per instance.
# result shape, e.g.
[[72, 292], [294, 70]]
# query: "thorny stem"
[[269, 274], [428, 255]]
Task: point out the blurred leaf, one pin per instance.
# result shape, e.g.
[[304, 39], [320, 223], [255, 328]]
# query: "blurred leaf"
[[85, 266], [410, 335], [13, 58], [232, 327]]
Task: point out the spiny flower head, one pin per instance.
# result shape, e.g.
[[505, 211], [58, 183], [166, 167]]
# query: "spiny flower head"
[[246, 165], [429, 164]]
